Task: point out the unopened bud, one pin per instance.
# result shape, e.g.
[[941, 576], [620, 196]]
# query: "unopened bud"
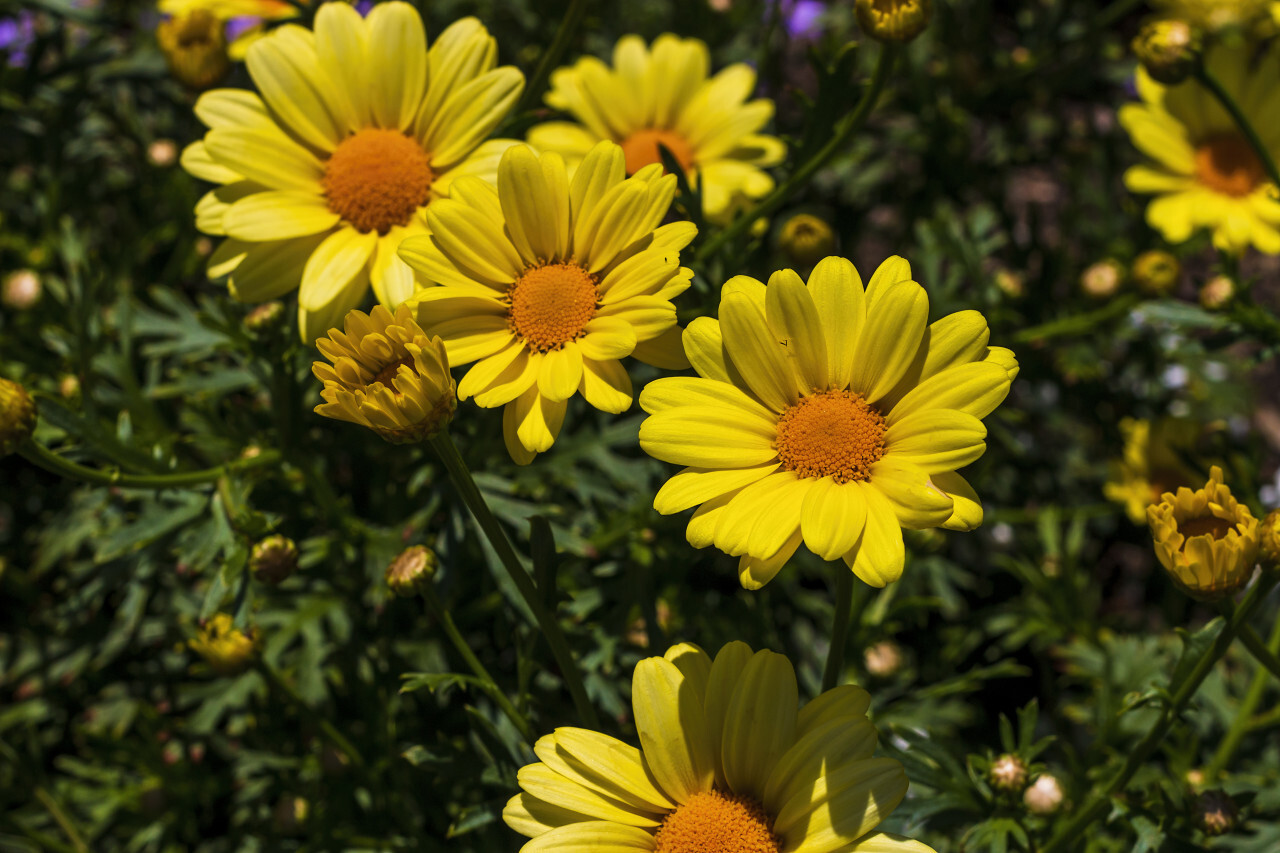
[[21, 290], [1008, 773], [1269, 540], [69, 387], [195, 46], [17, 416], [1044, 796], [264, 316], [1156, 272], [273, 559], [893, 20], [1103, 279], [883, 659], [1169, 50], [412, 570], [1217, 293], [1010, 283], [1216, 813], [162, 153], [806, 239]]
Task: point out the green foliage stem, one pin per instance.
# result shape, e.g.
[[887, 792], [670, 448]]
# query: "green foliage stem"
[[1264, 653], [845, 593], [845, 131], [37, 454], [1180, 695], [551, 58], [1240, 726], [466, 486]]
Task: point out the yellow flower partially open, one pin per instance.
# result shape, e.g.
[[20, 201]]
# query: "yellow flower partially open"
[[252, 12], [548, 282], [227, 649], [1152, 463], [386, 374], [728, 760], [1206, 539], [358, 129], [825, 415], [1204, 172], [661, 95]]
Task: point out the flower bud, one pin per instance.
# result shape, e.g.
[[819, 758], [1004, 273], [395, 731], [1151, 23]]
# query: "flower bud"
[[1168, 50], [1156, 272], [806, 239], [1044, 797], [883, 659], [195, 47], [1215, 812], [1217, 293], [21, 290], [893, 20], [412, 570], [17, 416], [1008, 773], [162, 153], [273, 559], [1206, 540], [264, 317], [1269, 539], [227, 650], [1103, 279], [1010, 283]]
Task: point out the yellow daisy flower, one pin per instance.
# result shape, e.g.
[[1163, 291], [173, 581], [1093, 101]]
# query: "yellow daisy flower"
[[227, 649], [1152, 464], [1214, 15], [1205, 174], [358, 129], [228, 10], [1206, 540], [825, 415], [662, 95], [728, 760], [547, 282]]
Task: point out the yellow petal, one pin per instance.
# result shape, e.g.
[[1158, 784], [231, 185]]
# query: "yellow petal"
[[606, 385], [722, 681], [889, 339], [536, 420], [233, 108], [534, 192], [824, 749], [547, 785], [266, 156], [891, 271], [342, 39], [836, 290], [879, 556], [665, 351], [591, 837], [847, 702], [673, 392], [335, 280], [530, 816], [604, 765], [755, 572], [842, 806], [397, 64], [276, 215], [294, 84], [756, 353], [760, 724], [966, 513], [917, 503], [670, 722], [975, 388], [197, 161], [694, 665], [764, 503], [560, 374], [270, 270], [694, 486], [467, 238], [936, 439], [832, 517], [470, 115], [793, 317], [702, 435]]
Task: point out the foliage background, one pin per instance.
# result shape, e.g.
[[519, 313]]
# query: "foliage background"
[[997, 150]]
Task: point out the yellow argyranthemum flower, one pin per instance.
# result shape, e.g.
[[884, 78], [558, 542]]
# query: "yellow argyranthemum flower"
[[548, 282], [662, 95], [1206, 174], [1206, 539], [358, 129], [1152, 464], [387, 375], [1214, 15], [825, 415], [728, 760], [249, 12], [227, 649]]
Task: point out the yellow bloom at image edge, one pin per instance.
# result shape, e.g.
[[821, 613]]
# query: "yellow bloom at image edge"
[[17, 416], [387, 375], [227, 650], [1205, 539], [728, 760]]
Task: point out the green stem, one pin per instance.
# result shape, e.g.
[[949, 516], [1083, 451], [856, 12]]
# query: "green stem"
[[37, 454], [1240, 726], [839, 627], [1264, 653], [800, 177], [326, 728], [466, 486], [1070, 834], [1078, 323], [51, 805], [568, 27], [490, 686], [1242, 122]]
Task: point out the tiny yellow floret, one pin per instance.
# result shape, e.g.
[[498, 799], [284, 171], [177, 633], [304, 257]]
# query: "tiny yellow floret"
[[1205, 539]]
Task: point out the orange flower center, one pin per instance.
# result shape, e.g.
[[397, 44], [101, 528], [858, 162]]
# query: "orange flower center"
[[641, 149], [834, 434], [712, 822], [376, 179], [1216, 527], [1226, 163], [550, 305]]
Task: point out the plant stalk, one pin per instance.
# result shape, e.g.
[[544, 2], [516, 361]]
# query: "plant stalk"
[[1241, 725], [41, 456]]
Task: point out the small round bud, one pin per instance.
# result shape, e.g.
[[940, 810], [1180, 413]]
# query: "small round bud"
[[264, 317], [1215, 812], [1269, 539], [1008, 773], [1156, 272], [273, 559], [21, 290], [69, 387], [227, 650], [412, 570], [883, 659], [1103, 279], [1010, 283], [162, 153], [893, 20], [806, 239], [17, 416], [1168, 50], [195, 46], [1044, 797], [1217, 293]]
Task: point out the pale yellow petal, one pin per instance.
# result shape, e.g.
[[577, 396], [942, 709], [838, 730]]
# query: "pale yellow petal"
[[760, 725], [670, 721], [397, 60]]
